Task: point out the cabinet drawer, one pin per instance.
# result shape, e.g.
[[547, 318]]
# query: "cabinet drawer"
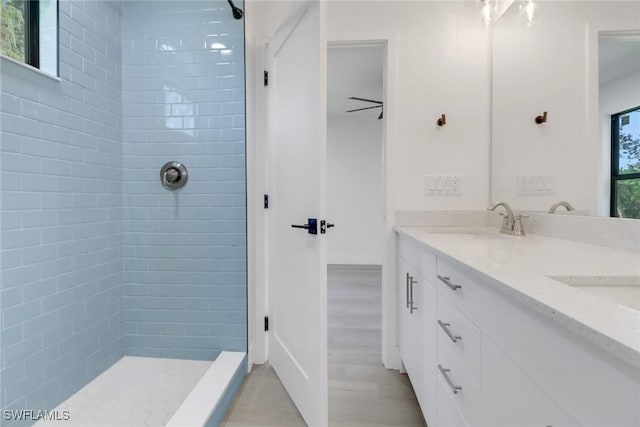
[[461, 337], [458, 286], [448, 413], [468, 397]]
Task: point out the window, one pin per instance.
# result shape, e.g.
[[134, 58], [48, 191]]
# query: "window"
[[625, 164], [29, 32]]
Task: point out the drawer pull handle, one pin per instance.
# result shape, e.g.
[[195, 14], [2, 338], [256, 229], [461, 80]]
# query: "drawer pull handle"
[[447, 331], [447, 281], [408, 278], [412, 307], [454, 388]]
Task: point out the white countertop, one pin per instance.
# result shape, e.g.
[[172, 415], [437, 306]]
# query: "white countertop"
[[519, 266]]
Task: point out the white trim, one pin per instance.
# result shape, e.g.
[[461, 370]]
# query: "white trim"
[[30, 68], [256, 214], [595, 144], [205, 397]]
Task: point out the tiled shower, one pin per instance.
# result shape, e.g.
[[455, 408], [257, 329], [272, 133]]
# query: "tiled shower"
[[98, 259]]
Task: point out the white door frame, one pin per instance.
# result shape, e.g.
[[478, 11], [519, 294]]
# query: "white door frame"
[[598, 129], [390, 352], [258, 151]]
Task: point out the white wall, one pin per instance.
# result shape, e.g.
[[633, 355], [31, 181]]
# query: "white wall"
[[354, 190], [442, 65], [546, 67], [616, 96]]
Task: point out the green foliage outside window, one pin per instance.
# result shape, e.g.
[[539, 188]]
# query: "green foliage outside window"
[[628, 191], [12, 29]]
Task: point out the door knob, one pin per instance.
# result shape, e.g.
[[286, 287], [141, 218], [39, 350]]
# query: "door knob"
[[311, 226]]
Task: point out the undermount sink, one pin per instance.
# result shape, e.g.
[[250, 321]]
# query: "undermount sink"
[[622, 290]]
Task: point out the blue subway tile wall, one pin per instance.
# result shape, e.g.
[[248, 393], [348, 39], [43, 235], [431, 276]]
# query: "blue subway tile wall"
[[185, 251], [61, 241]]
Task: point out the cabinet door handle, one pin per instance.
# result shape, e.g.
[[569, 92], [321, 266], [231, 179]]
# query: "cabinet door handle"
[[407, 292], [412, 282], [447, 281], [454, 388], [445, 328]]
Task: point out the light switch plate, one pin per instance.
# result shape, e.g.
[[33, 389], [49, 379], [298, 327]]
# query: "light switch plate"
[[535, 185], [443, 185]]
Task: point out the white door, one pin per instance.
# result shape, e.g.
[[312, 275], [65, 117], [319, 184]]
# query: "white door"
[[296, 259]]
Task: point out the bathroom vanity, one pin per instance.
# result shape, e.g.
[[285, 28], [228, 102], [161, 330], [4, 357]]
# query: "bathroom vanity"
[[499, 330]]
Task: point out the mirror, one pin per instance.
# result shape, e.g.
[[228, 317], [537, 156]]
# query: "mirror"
[[557, 79]]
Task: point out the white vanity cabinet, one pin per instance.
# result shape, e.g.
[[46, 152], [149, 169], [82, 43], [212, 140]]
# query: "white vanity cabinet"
[[512, 398], [489, 360], [591, 386], [416, 298]]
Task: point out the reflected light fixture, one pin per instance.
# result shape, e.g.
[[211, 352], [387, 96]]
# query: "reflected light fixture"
[[487, 11], [528, 11]]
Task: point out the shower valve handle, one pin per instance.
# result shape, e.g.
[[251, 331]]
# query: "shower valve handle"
[[172, 175]]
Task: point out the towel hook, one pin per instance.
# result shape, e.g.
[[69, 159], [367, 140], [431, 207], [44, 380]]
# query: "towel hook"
[[541, 119], [442, 120]]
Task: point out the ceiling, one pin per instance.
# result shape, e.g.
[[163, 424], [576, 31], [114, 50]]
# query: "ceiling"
[[619, 56], [354, 71]]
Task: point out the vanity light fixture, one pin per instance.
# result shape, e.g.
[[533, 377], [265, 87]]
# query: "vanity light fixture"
[[492, 10], [442, 120], [528, 11], [541, 119], [487, 11]]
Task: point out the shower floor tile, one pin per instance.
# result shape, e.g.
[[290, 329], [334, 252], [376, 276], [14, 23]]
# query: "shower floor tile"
[[135, 391]]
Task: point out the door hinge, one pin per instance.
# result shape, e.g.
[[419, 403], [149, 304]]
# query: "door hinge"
[[266, 78], [266, 323], [266, 201]]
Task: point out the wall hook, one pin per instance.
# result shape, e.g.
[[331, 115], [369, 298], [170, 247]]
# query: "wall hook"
[[442, 120], [542, 119]]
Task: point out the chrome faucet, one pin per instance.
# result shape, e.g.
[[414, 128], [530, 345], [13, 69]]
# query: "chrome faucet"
[[511, 224], [566, 205]]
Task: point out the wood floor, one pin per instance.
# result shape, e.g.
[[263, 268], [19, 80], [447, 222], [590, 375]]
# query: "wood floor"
[[361, 391]]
